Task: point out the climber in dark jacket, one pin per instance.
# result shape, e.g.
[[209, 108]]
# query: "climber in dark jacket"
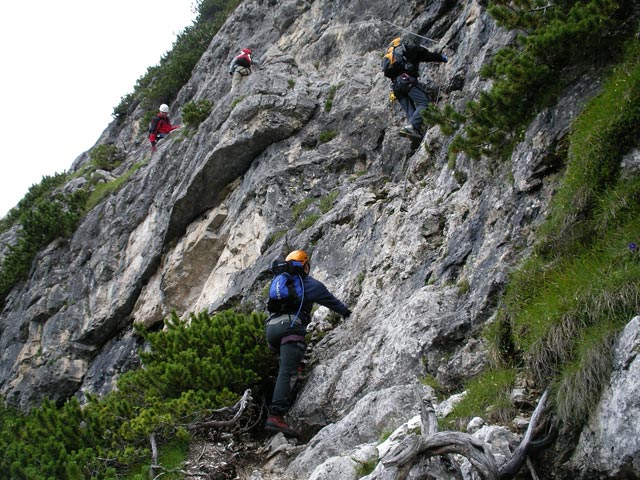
[[285, 334], [401, 64]]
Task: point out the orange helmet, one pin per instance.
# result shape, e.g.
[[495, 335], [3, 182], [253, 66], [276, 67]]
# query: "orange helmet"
[[298, 255]]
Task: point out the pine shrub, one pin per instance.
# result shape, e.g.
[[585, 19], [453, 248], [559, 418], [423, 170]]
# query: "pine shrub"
[[188, 370], [564, 307], [47, 220], [555, 43], [194, 113]]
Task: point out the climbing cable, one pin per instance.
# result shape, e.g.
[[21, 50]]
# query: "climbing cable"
[[410, 32]]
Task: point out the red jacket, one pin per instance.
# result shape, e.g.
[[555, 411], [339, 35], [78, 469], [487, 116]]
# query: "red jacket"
[[160, 124]]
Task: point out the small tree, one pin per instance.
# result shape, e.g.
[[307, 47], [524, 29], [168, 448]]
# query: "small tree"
[[194, 113]]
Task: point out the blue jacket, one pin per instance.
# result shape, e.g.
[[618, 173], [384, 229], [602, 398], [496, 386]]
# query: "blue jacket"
[[316, 292]]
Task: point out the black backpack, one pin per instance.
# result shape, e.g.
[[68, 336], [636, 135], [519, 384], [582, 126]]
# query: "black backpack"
[[393, 61], [286, 293]]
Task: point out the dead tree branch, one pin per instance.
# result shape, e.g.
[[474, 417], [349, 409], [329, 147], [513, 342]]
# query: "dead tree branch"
[[154, 456], [444, 443], [432, 443], [239, 408]]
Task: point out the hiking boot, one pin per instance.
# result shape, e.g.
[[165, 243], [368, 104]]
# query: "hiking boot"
[[409, 131], [275, 423]]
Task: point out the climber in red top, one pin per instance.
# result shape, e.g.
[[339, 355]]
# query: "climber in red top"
[[160, 126], [240, 67]]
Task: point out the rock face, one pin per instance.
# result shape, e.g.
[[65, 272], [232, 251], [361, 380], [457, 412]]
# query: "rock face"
[[419, 251], [608, 446]]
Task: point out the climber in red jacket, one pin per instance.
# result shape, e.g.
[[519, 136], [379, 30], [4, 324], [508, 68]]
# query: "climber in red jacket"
[[160, 126]]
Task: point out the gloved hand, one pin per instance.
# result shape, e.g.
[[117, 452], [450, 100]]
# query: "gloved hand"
[[348, 314], [444, 58]]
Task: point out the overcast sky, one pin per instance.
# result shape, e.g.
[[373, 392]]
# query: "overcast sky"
[[65, 65]]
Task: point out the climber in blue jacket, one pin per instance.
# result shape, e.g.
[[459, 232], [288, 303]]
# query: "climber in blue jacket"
[[285, 332]]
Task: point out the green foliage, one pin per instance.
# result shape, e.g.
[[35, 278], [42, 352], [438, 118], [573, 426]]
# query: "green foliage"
[[431, 381], [291, 83], [364, 468], [448, 119], [326, 202], [46, 214], [237, 100], [299, 208], [161, 83], [48, 219], [127, 104], [307, 221], [580, 381], [106, 156], [463, 286], [35, 195], [487, 396], [188, 370], [527, 77], [102, 190], [145, 121], [275, 237], [194, 113], [327, 136], [385, 435], [328, 104], [565, 305], [603, 133]]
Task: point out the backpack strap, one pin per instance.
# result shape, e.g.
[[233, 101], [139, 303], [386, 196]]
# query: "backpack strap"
[[301, 301]]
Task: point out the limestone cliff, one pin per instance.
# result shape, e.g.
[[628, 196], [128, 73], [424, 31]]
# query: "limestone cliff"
[[419, 251]]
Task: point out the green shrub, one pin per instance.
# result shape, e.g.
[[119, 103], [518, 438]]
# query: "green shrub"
[[237, 100], [327, 136], [326, 202], [328, 104], [106, 156], [529, 75], [188, 370], [299, 208], [194, 113], [47, 220], [364, 468], [487, 396], [308, 221], [102, 190], [564, 306], [34, 195]]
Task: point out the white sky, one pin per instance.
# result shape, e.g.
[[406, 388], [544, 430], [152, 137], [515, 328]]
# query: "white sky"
[[65, 64]]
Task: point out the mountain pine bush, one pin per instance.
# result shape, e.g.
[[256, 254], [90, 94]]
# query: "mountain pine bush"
[[187, 371]]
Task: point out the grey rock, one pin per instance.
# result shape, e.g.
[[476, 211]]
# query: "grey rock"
[[419, 251], [608, 446]]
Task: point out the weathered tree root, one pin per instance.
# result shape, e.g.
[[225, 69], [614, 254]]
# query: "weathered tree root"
[[237, 410], [403, 456]]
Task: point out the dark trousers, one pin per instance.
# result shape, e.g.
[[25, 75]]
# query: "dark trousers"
[[412, 98], [291, 354]]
